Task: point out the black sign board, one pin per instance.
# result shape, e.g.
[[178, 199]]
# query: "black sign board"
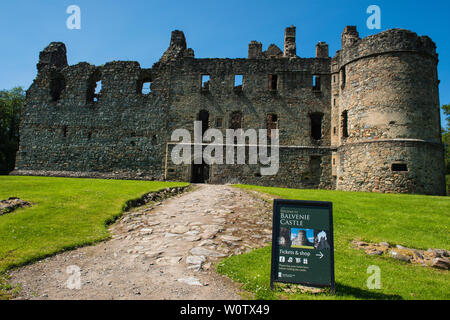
[[302, 243]]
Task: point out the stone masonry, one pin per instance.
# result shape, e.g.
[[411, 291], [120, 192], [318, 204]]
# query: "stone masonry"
[[366, 120]]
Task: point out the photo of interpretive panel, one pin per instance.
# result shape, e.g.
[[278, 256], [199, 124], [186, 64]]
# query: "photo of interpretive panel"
[[304, 238]]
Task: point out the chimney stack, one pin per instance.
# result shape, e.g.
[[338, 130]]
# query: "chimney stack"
[[290, 49]]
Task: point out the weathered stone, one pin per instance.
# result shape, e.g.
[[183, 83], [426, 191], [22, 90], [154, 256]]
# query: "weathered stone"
[[230, 238], [375, 253], [192, 281], [197, 260], [192, 238], [153, 254], [180, 229], [441, 263], [146, 231], [200, 251], [7, 206], [400, 256]]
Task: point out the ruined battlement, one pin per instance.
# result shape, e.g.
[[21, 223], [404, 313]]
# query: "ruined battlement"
[[393, 40], [365, 120]]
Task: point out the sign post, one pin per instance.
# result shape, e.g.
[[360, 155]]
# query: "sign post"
[[302, 243]]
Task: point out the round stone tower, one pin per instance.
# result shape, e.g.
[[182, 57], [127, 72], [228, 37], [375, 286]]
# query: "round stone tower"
[[387, 114]]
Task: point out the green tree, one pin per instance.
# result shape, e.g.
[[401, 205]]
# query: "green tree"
[[446, 141], [11, 102]]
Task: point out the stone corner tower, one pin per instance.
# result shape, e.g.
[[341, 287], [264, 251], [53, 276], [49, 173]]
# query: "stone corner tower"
[[386, 114]]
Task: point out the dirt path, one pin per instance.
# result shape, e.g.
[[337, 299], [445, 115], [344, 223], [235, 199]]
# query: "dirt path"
[[166, 251]]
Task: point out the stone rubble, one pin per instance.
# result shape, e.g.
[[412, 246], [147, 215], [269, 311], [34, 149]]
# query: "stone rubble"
[[436, 258], [7, 206]]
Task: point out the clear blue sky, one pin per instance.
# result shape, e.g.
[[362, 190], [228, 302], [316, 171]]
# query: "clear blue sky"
[[139, 30]]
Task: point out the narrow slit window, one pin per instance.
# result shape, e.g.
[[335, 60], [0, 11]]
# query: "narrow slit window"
[[273, 82], [97, 91], [399, 167], [271, 124], [343, 78], [345, 124], [205, 82]]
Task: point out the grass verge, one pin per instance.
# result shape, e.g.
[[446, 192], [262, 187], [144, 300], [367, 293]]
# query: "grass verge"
[[67, 213], [411, 220]]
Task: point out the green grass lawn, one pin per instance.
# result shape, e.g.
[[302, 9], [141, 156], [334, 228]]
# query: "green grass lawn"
[[66, 213], [411, 220]]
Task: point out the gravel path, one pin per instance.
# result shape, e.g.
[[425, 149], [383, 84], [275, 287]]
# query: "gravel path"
[[162, 251]]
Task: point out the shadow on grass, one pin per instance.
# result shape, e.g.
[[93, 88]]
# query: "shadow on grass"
[[344, 290]]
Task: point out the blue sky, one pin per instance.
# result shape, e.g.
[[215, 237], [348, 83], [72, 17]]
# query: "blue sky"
[[139, 30]]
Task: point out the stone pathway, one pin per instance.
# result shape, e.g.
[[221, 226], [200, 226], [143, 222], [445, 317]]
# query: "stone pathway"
[[164, 251]]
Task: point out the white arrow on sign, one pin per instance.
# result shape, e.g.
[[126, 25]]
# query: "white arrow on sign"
[[320, 255]]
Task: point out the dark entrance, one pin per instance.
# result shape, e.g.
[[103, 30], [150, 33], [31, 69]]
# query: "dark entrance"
[[200, 172]]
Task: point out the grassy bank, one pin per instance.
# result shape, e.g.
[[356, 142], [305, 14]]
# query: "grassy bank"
[[66, 213], [411, 220]]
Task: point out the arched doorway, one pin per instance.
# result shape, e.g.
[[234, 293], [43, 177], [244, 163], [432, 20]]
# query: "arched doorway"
[[200, 172]]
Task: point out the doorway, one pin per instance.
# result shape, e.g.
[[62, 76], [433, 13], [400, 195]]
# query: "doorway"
[[200, 172]]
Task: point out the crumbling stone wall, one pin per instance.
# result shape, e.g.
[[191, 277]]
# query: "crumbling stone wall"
[[387, 85]]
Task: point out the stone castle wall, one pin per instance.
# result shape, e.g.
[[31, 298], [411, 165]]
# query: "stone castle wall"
[[386, 83]]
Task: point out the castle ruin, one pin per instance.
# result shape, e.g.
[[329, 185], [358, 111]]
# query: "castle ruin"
[[366, 120]]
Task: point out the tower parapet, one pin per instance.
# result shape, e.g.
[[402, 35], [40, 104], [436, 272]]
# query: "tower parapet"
[[394, 40]]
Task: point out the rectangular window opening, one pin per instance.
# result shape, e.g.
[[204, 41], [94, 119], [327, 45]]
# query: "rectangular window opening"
[[316, 83], [399, 167], [219, 123], [316, 125], [238, 80], [273, 82], [236, 120], [146, 87], [205, 82]]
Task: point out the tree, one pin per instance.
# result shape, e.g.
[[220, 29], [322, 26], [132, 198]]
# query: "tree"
[[446, 137], [11, 102]]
